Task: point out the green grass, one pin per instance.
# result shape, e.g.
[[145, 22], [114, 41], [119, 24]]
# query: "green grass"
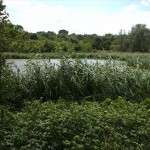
[[14, 55], [100, 54], [141, 60], [110, 125]]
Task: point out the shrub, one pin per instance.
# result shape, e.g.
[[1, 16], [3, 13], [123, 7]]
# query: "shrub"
[[68, 125]]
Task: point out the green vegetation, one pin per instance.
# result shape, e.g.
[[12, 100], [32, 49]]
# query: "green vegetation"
[[73, 79], [68, 125], [13, 38], [137, 40], [122, 56], [3, 41], [80, 105], [105, 107], [18, 40], [141, 60]]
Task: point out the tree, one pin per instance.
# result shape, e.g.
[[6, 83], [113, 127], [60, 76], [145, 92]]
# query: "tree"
[[33, 36], [97, 43], [3, 33], [140, 38], [48, 46], [122, 40], [17, 37], [73, 39], [63, 32]]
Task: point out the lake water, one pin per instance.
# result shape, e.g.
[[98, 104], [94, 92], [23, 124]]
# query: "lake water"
[[21, 63]]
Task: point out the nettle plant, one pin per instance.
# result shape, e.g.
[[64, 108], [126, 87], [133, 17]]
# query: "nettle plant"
[[68, 125]]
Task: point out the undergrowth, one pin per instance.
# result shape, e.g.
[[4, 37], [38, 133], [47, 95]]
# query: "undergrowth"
[[110, 125], [73, 79]]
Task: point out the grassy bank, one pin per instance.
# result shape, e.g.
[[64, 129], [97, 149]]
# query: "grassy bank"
[[68, 125], [14, 55], [94, 55], [73, 80], [141, 60]]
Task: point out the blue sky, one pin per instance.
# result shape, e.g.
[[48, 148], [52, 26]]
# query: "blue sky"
[[79, 16]]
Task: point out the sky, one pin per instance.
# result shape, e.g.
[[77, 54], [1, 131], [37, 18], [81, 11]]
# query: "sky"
[[79, 16]]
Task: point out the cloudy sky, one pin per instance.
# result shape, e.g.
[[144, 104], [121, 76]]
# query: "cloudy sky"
[[78, 16]]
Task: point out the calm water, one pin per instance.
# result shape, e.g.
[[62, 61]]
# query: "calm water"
[[21, 63]]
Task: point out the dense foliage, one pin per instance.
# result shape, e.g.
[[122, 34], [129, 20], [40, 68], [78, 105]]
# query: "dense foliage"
[[106, 106], [3, 32], [93, 116], [73, 80], [3, 23], [13, 38], [137, 39], [110, 125]]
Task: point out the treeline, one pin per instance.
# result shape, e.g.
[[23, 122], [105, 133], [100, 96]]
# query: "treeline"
[[13, 38], [138, 39]]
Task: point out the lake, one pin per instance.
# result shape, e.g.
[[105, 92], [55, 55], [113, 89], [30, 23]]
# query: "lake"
[[21, 63]]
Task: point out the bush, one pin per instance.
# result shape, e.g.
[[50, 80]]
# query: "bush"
[[68, 125]]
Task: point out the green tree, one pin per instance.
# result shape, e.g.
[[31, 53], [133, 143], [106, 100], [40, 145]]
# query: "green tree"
[[17, 37], [73, 39], [64, 32], [48, 46], [97, 43], [33, 36], [140, 38], [121, 42], [3, 33]]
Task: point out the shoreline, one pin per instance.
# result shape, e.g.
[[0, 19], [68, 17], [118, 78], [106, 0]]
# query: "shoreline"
[[91, 55]]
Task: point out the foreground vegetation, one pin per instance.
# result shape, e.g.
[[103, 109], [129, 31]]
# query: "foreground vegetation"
[[68, 125], [73, 79], [81, 106]]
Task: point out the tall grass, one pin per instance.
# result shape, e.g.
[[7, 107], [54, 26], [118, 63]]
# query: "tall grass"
[[74, 80], [142, 62]]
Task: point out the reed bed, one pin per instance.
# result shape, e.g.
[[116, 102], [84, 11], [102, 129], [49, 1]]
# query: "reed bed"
[[73, 80], [142, 62]]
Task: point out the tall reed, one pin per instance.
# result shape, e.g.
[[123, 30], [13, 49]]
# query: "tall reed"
[[74, 79], [142, 62]]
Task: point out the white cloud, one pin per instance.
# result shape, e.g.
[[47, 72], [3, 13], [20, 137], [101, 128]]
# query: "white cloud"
[[132, 15], [36, 15], [129, 9], [145, 3]]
